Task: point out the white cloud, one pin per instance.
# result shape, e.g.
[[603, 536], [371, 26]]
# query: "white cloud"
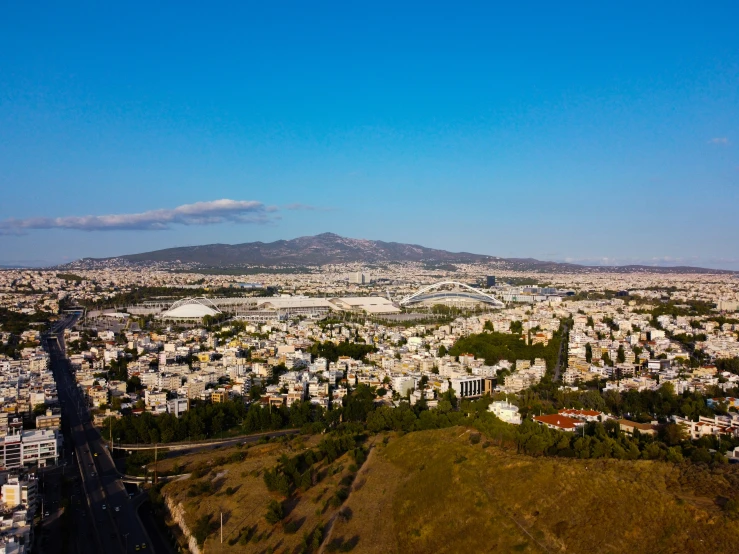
[[199, 213], [298, 206], [719, 140]]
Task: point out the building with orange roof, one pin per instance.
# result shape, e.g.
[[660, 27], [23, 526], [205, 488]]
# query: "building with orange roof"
[[584, 415], [558, 422]]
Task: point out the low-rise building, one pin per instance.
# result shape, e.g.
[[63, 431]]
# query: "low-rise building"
[[49, 421], [505, 411], [629, 427], [558, 422]]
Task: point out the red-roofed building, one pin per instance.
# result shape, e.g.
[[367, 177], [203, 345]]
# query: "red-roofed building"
[[558, 422], [584, 415]]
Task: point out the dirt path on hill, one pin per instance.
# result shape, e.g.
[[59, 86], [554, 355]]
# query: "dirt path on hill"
[[330, 524]]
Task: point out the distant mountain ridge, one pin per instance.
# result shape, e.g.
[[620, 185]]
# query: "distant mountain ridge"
[[330, 248]]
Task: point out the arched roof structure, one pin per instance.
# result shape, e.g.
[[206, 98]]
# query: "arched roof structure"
[[191, 308], [461, 293]]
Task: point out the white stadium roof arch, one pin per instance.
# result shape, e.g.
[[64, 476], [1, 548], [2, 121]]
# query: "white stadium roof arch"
[[460, 293], [191, 308]]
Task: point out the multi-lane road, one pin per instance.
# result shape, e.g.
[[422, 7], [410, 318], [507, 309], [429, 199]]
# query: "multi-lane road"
[[105, 519]]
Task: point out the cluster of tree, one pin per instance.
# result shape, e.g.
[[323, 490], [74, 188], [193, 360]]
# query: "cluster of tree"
[[210, 321], [605, 440], [522, 281], [72, 277], [207, 420], [494, 347], [516, 327], [12, 348], [407, 419], [594, 295], [16, 322], [83, 343], [140, 294], [660, 404], [688, 340], [447, 311], [118, 369], [203, 420], [301, 415], [642, 406], [299, 472], [203, 527], [332, 351], [728, 364], [684, 307]]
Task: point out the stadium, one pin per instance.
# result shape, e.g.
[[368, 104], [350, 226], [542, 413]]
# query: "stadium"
[[451, 293]]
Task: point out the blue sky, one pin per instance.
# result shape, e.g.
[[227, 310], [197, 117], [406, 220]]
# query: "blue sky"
[[561, 131]]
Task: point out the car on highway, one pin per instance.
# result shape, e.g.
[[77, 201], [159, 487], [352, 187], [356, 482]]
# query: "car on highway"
[[105, 507], [117, 508]]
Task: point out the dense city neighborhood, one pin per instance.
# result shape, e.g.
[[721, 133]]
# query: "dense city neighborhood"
[[163, 357]]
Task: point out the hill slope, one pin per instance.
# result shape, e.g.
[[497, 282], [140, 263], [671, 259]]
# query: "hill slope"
[[329, 248], [434, 491], [326, 248]]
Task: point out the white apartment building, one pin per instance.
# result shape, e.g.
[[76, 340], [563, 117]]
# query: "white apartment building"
[[505, 411], [28, 448], [468, 387], [177, 406], [20, 492]]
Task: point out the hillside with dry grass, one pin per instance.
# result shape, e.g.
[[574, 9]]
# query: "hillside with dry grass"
[[256, 519], [436, 491], [449, 490]]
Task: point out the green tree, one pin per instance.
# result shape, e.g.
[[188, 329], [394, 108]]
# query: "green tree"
[[621, 355], [202, 528], [275, 512]]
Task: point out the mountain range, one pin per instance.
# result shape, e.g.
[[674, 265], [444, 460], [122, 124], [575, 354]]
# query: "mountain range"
[[329, 248]]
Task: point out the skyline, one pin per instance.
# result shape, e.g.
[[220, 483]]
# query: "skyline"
[[583, 133]]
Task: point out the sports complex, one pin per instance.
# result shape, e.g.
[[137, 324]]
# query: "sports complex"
[[262, 309]]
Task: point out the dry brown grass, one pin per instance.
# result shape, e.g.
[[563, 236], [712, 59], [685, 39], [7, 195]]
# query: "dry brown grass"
[[433, 491], [245, 508]]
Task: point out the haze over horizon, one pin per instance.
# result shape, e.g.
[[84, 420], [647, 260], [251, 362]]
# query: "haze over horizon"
[[600, 135]]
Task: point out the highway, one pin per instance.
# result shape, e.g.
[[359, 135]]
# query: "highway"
[[107, 518]]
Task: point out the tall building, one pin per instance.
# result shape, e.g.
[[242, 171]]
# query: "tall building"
[[359, 278], [490, 281], [28, 448]]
